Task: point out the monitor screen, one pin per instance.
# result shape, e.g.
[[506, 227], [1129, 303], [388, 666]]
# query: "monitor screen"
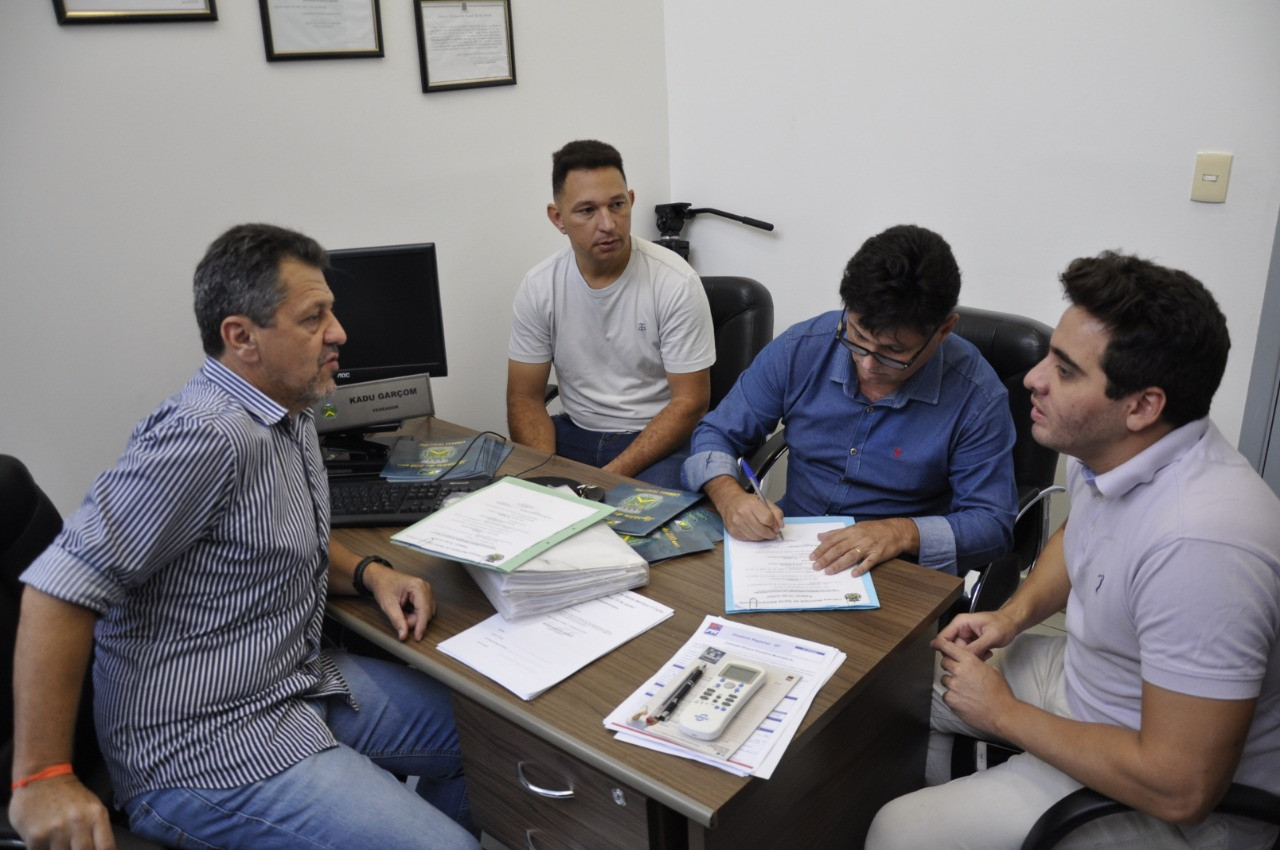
[[388, 301]]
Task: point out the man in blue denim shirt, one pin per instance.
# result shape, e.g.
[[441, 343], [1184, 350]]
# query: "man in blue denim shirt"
[[889, 418]]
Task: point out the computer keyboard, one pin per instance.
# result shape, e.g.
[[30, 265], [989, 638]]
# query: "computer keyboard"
[[370, 500]]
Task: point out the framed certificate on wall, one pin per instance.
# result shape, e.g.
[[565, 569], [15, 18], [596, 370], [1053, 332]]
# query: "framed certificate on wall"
[[133, 11], [464, 44]]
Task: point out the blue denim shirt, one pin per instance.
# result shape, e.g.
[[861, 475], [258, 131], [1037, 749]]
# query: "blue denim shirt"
[[938, 450]]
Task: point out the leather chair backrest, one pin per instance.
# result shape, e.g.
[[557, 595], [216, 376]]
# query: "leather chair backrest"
[[28, 524], [1012, 345], [742, 313]]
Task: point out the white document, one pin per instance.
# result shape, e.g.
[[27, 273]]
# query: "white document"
[[777, 575], [529, 656], [815, 663], [503, 525]]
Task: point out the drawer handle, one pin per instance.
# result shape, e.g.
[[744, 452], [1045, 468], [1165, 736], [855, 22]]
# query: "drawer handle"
[[541, 792]]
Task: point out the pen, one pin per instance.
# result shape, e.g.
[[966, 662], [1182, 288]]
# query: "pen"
[[755, 483], [681, 692]]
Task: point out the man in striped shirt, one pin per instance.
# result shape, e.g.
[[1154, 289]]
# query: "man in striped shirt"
[[195, 572]]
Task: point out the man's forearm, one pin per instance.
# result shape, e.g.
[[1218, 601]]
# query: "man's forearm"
[[1046, 588], [665, 433], [530, 424], [1174, 780], [55, 640]]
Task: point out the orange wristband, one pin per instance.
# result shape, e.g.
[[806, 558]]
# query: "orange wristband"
[[48, 773]]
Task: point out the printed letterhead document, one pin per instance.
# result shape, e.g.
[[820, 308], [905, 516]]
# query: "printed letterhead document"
[[777, 575], [529, 656], [503, 525]]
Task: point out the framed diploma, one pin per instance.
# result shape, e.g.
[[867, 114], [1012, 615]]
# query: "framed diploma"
[[129, 11], [321, 29], [464, 44]]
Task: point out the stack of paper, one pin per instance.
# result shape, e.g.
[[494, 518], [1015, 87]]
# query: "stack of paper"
[[448, 460], [528, 657], [501, 526], [811, 664], [532, 549], [594, 562]]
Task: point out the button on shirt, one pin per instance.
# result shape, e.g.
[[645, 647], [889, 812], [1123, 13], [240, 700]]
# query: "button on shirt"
[[205, 554], [937, 450]]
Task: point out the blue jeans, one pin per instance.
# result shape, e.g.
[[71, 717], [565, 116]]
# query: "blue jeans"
[[342, 797], [597, 448]]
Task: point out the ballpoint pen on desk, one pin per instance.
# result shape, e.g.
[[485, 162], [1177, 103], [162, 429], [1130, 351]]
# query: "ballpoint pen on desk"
[[673, 702], [755, 484]]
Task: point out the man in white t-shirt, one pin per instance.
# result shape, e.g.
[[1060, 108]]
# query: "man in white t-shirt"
[[1166, 687], [626, 324]]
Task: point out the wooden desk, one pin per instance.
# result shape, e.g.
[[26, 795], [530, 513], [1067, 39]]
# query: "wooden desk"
[[862, 743]]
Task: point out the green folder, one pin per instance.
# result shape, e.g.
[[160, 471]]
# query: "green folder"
[[502, 526]]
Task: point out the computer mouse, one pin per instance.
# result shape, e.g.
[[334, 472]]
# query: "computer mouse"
[[586, 491]]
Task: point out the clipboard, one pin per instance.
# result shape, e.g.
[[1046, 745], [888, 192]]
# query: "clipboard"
[[772, 575]]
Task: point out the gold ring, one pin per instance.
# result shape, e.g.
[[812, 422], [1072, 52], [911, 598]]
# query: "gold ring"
[[859, 551]]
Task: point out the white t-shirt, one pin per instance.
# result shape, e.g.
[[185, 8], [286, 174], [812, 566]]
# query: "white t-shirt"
[[612, 348]]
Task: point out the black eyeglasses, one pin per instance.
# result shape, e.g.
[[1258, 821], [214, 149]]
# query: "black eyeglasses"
[[882, 359]]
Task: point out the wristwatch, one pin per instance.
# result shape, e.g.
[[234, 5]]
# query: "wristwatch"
[[358, 578]]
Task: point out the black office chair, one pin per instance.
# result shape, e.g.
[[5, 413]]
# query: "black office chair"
[[29, 524], [1012, 345], [742, 315], [1084, 805]]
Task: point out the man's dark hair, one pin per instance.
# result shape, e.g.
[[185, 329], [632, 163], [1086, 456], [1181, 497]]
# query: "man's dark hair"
[[905, 277], [240, 276], [1166, 330], [585, 154]]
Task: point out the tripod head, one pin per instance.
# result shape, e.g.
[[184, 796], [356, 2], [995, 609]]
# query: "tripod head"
[[671, 219]]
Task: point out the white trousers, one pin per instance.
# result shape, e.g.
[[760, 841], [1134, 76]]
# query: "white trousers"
[[996, 808]]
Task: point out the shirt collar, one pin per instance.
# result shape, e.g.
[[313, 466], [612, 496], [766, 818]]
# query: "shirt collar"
[[1146, 464], [259, 405]]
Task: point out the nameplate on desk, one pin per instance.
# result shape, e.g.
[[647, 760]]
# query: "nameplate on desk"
[[354, 406]]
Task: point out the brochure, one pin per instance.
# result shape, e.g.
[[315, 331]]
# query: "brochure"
[[642, 508]]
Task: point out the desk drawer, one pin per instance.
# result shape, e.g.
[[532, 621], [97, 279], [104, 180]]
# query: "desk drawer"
[[498, 755]]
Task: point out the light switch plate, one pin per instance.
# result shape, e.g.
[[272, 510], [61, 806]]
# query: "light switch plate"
[[1209, 184]]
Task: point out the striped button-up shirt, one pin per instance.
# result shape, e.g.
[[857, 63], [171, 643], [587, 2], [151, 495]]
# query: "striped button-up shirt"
[[205, 553]]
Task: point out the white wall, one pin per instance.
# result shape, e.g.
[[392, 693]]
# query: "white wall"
[[1025, 133], [125, 149]]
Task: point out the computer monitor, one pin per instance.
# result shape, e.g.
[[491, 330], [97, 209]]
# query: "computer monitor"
[[388, 300]]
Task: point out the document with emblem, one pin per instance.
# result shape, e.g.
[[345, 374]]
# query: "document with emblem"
[[777, 575], [503, 525]]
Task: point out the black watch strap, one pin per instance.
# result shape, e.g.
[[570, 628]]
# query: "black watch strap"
[[358, 578]]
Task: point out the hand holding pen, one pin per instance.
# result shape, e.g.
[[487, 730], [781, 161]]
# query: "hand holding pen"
[[759, 491]]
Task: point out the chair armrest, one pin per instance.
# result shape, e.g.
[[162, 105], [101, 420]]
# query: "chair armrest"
[[1028, 498], [763, 458], [1073, 810], [1084, 805]]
